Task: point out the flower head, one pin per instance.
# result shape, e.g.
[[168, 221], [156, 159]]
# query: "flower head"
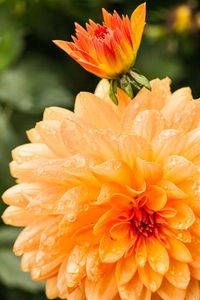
[[107, 50], [109, 197]]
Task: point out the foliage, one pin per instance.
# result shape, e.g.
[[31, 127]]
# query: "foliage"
[[35, 74]]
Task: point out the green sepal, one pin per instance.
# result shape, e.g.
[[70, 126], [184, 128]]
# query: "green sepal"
[[113, 90], [125, 85], [140, 80]]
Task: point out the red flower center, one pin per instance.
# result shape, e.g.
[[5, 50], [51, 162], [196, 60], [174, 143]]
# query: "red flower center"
[[100, 32], [144, 221]]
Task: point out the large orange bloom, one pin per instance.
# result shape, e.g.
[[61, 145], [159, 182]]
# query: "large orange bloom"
[[110, 197], [107, 50]]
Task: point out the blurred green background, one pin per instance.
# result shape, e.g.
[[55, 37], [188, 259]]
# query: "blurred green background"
[[34, 74]]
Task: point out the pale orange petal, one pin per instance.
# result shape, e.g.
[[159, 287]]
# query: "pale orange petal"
[[176, 102], [112, 250], [193, 291], [148, 124], [141, 252], [115, 171], [169, 292], [157, 256], [18, 216], [178, 274], [125, 269], [177, 169], [103, 289], [76, 265], [131, 147], [156, 198], [184, 218], [95, 111], [152, 171], [178, 250], [131, 290], [56, 113], [150, 278], [168, 142]]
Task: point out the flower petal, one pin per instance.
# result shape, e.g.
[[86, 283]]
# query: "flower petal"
[[137, 24], [177, 169], [95, 111], [178, 250], [148, 124], [178, 274], [169, 292], [157, 256], [141, 252], [125, 269], [193, 291], [112, 250], [152, 171], [131, 290], [103, 289], [115, 171], [131, 147], [156, 198], [150, 278], [184, 217], [166, 143], [76, 265]]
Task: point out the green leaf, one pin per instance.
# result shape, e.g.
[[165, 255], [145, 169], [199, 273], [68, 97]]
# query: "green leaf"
[[126, 87], [7, 236], [113, 91], [11, 38], [8, 139], [10, 272], [33, 85], [12, 276], [140, 79]]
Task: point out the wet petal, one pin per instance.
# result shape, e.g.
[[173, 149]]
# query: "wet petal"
[[119, 230], [167, 142], [50, 133], [95, 111], [18, 216], [178, 274], [191, 151], [171, 189], [125, 269], [157, 256], [156, 198], [193, 291], [184, 217], [176, 102], [177, 169], [150, 278], [115, 171], [29, 238], [56, 113], [152, 171], [169, 292], [112, 250], [131, 147], [103, 289], [148, 124], [132, 289], [141, 252], [51, 288], [178, 250], [32, 151], [76, 265]]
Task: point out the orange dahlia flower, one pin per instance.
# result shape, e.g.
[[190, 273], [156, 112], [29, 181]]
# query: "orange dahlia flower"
[[110, 49], [110, 197]]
